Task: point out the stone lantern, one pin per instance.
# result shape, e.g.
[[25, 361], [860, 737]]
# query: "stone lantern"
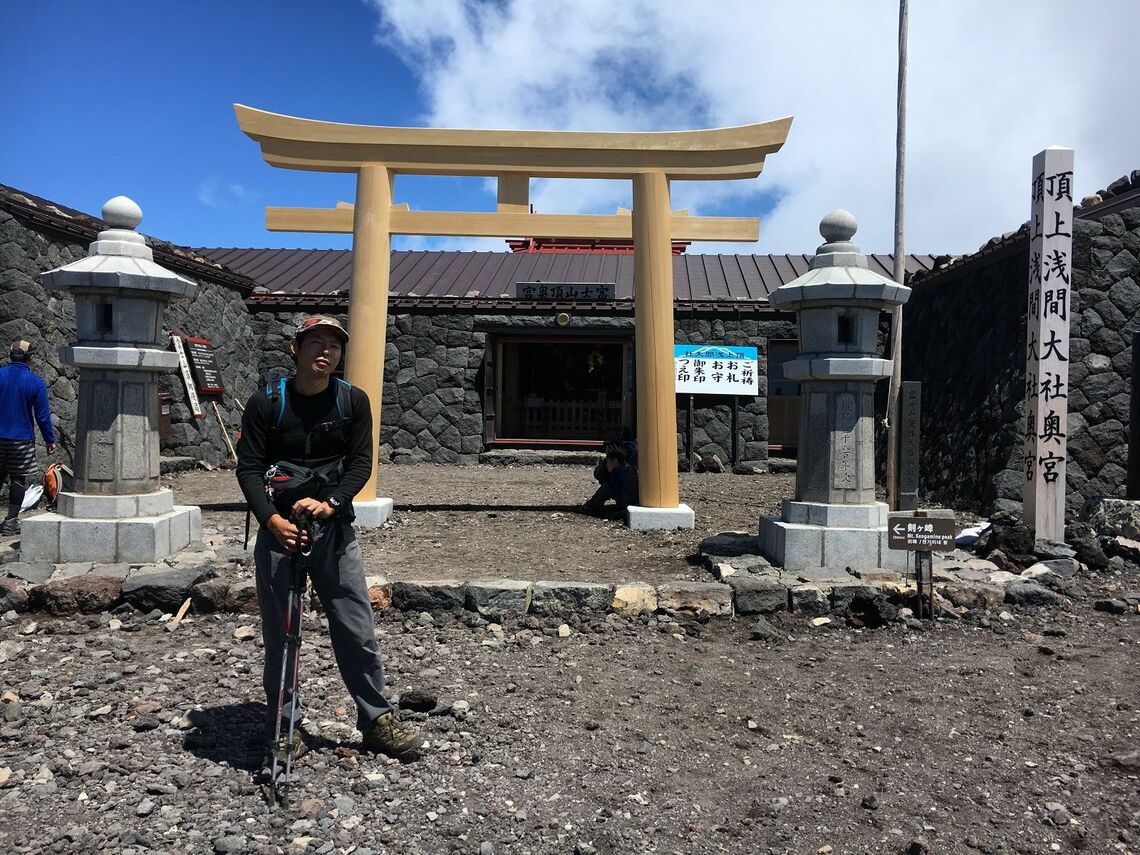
[[834, 521], [117, 511]]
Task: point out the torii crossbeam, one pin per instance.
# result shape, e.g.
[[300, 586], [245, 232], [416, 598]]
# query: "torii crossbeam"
[[651, 160]]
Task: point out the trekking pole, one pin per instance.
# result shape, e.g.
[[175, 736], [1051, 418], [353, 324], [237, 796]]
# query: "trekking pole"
[[297, 573]]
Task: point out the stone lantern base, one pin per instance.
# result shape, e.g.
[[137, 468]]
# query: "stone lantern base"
[[830, 536], [130, 529]]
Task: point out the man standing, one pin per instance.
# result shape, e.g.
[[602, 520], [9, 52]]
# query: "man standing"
[[321, 423], [23, 396]]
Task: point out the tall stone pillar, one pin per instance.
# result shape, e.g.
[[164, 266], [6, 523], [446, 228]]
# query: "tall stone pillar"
[[834, 521], [117, 511]]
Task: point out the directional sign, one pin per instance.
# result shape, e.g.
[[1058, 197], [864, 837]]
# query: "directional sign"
[[920, 534]]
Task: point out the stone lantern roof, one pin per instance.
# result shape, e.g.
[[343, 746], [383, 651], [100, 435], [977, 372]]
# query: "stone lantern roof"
[[839, 274]]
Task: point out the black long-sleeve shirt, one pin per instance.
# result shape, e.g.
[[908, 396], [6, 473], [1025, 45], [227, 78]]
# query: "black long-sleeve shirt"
[[311, 433]]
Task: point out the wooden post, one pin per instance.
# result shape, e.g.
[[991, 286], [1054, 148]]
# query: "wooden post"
[[735, 430], [653, 340], [368, 299], [689, 438]]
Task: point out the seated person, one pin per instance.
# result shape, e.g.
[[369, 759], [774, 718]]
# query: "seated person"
[[619, 484]]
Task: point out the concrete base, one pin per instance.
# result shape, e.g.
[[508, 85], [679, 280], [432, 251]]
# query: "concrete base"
[[139, 540], [661, 519], [90, 506], [799, 546], [372, 513]]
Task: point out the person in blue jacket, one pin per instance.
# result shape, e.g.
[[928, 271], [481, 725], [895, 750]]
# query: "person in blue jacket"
[[23, 398]]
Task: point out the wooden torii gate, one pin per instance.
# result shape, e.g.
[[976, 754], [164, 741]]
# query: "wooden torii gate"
[[651, 160]]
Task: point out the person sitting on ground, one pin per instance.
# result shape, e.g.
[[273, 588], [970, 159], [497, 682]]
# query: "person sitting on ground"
[[314, 420], [23, 404], [620, 486], [625, 441]]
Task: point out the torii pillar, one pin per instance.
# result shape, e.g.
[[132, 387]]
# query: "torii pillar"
[[650, 160]]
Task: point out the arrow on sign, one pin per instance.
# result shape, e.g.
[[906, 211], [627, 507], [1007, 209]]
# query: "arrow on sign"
[[898, 528]]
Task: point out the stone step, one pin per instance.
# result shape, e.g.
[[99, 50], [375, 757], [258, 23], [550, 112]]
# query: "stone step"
[[534, 456]]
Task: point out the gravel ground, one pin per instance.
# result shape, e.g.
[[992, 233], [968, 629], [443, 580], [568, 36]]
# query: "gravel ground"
[[467, 522], [118, 736]]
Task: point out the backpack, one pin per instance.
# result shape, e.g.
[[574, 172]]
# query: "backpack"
[[287, 481]]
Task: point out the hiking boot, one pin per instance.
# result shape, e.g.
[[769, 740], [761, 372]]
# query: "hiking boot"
[[10, 528], [300, 749], [388, 736]]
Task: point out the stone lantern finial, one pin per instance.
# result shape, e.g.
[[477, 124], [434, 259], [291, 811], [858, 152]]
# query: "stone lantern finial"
[[838, 250], [122, 212]]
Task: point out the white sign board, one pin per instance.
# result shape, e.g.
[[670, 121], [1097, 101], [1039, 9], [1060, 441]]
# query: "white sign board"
[[1047, 341], [716, 369], [187, 377]]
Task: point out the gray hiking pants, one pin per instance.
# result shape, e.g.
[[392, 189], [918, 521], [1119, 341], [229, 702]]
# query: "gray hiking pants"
[[338, 580]]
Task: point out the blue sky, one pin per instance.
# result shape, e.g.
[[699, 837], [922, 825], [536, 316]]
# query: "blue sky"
[[136, 98]]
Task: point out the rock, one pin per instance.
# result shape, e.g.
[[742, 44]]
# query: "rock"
[[1123, 547], [761, 630], [1113, 607], [145, 808], [730, 543], [13, 595], [379, 593], [563, 631], [164, 589], [1113, 517], [34, 573], [444, 594], [460, 710], [871, 802], [1047, 549], [758, 596], [631, 600], [245, 633], [1032, 595], [873, 611], [918, 846], [210, 596], [86, 594], [556, 598], [231, 844], [820, 621], [418, 700], [242, 597], [694, 597], [707, 463], [810, 600], [1010, 537], [494, 598], [843, 595], [1086, 545], [975, 596], [1127, 759], [1064, 568]]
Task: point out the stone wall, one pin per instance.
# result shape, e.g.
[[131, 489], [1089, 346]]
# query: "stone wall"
[[433, 379], [965, 340], [27, 310]]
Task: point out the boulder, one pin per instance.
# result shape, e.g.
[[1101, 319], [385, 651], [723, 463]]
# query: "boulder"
[[13, 595], [563, 597], [810, 599], [35, 573], [494, 598], [242, 597], [761, 630], [1086, 545], [1032, 595], [164, 589], [1113, 607], [430, 596], [87, 594], [210, 596], [632, 599], [843, 595], [1113, 517], [379, 593], [1065, 568], [1048, 549], [975, 596], [756, 596], [1010, 537], [694, 597], [729, 544], [1124, 547]]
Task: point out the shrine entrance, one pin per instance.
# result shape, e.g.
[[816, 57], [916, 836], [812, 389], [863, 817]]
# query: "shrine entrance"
[[562, 392]]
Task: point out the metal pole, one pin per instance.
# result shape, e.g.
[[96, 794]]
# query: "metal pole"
[[900, 272]]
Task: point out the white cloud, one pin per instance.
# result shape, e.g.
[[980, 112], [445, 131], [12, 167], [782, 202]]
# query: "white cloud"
[[989, 85], [216, 192]]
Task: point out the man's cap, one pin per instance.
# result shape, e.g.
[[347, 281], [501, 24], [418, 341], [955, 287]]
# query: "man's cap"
[[20, 348], [320, 321]]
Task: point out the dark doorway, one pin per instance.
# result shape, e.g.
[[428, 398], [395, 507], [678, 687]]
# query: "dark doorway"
[[562, 391], [783, 400]]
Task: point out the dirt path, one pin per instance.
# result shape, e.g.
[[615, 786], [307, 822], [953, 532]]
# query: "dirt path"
[[467, 522]]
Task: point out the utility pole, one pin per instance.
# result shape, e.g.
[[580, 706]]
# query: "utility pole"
[[900, 275]]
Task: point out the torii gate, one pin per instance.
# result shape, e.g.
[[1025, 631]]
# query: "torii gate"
[[651, 160]]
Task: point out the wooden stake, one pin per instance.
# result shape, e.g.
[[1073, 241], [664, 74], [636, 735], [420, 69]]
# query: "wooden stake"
[[225, 431], [177, 619]]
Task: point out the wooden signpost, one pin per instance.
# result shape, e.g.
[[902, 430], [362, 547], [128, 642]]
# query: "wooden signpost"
[[921, 534], [187, 376]]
